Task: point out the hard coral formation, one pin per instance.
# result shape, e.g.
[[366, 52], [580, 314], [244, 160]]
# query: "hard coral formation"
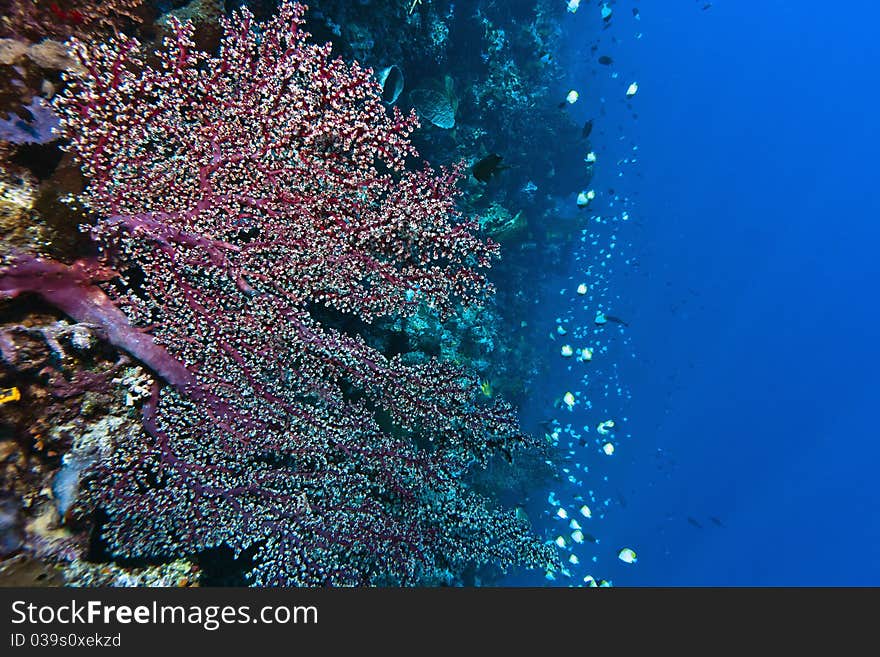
[[66, 399], [36, 19], [498, 222], [435, 106], [205, 16]]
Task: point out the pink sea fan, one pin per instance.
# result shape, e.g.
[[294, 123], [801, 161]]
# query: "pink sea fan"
[[246, 198]]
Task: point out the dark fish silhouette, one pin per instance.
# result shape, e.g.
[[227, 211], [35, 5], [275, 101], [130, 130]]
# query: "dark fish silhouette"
[[605, 60], [694, 523], [488, 167], [588, 128], [616, 320], [716, 521]]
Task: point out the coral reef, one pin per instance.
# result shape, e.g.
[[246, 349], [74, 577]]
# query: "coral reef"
[[67, 402], [247, 203], [37, 19], [498, 222], [179, 573], [303, 292]]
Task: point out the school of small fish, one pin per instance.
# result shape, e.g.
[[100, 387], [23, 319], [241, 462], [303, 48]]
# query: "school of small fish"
[[589, 422]]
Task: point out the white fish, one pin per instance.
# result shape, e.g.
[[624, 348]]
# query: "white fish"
[[608, 448], [582, 288], [631, 90], [627, 555], [572, 97], [569, 400], [584, 198], [566, 350], [604, 428]]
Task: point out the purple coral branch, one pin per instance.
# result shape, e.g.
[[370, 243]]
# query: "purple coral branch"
[[72, 289]]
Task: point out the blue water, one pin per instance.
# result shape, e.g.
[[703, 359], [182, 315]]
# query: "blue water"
[[753, 314]]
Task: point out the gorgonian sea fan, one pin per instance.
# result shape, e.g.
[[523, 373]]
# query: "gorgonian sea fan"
[[242, 196]]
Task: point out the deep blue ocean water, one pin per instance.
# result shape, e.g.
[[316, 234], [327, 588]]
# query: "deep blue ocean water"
[[753, 320]]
